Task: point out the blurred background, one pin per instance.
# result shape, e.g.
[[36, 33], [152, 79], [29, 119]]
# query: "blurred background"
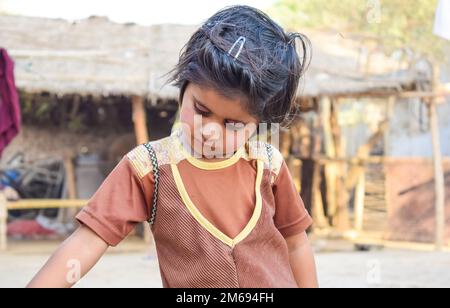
[[81, 84]]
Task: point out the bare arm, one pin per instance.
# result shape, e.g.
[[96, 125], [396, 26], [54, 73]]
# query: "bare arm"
[[71, 261], [302, 261]]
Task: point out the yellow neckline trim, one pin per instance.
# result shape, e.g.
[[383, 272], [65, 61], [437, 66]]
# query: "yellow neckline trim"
[[215, 165], [211, 165], [208, 225]]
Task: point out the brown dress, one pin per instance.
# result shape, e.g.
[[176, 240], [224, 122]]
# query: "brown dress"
[[215, 224]]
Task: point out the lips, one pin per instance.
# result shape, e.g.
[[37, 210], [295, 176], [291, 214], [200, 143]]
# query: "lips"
[[207, 148]]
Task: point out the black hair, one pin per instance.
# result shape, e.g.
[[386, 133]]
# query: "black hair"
[[266, 73]]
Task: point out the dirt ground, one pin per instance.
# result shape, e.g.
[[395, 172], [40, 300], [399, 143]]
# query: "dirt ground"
[[134, 264]]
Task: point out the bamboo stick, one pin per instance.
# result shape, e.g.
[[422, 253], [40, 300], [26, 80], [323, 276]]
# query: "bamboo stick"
[[141, 132], [28, 204]]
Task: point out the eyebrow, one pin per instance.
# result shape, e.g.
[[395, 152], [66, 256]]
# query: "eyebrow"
[[196, 101]]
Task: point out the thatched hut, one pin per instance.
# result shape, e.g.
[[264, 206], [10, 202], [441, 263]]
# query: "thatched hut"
[[105, 62]]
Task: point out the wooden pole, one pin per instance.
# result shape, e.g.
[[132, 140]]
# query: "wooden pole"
[[439, 178], [390, 109], [285, 143], [390, 113], [139, 120], [339, 169], [317, 209], [141, 132], [330, 168], [3, 222], [318, 213], [359, 202], [437, 162], [69, 213], [341, 192], [330, 151], [338, 211], [294, 164], [31, 204], [70, 173]]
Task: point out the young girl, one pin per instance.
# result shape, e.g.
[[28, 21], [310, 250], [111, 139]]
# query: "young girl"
[[223, 209]]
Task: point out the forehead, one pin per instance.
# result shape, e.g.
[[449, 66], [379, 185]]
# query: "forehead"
[[220, 105]]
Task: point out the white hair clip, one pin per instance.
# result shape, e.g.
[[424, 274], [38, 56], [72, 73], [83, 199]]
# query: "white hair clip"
[[240, 39]]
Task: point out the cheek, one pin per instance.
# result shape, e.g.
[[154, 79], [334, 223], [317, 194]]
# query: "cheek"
[[186, 115]]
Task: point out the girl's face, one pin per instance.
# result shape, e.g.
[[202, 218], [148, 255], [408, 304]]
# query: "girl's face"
[[214, 125]]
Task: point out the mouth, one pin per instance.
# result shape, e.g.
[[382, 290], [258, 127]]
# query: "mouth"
[[206, 148]]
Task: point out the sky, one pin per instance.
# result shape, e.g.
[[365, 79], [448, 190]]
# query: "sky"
[[145, 12]]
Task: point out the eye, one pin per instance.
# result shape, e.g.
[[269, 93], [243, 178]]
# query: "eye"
[[201, 111], [234, 125]]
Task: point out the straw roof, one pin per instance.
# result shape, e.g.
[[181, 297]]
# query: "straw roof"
[[101, 58]]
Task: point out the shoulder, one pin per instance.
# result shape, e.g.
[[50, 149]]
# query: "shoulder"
[[161, 152], [272, 157]]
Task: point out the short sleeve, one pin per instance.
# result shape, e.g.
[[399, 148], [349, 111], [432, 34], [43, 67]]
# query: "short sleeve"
[[291, 216], [119, 204]]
